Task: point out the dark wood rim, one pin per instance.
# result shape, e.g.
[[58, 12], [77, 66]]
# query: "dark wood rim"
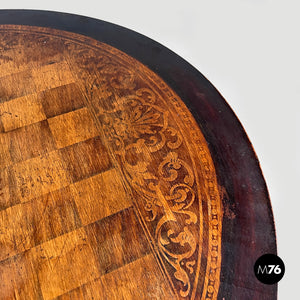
[[248, 226]]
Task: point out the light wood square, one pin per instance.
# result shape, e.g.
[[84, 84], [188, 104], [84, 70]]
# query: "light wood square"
[[21, 111], [64, 263], [72, 127], [37, 176], [100, 196]]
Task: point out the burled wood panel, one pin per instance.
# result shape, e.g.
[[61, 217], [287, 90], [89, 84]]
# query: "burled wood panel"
[[107, 187]]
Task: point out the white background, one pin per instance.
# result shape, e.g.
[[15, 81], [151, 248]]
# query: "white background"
[[249, 50]]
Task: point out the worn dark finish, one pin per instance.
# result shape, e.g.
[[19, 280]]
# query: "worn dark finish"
[[247, 224]]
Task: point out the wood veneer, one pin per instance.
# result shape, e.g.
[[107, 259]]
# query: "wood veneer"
[[109, 187]]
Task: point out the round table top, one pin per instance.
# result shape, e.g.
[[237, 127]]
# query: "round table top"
[[123, 172]]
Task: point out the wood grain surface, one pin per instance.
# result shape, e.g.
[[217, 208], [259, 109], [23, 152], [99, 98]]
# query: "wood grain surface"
[[124, 174], [107, 186]]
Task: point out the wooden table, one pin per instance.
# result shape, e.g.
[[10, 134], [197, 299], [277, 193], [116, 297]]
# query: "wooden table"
[[123, 172]]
